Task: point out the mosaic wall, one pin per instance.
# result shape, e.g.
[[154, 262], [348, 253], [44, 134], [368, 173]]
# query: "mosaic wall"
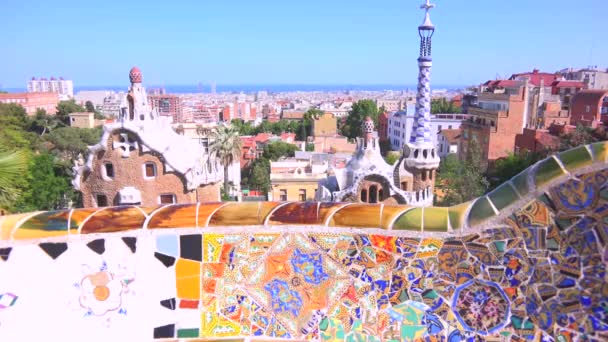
[[525, 262]]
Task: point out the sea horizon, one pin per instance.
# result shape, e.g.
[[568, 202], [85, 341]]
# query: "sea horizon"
[[252, 88]]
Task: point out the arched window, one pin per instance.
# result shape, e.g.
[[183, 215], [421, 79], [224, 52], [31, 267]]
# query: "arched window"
[[364, 195]]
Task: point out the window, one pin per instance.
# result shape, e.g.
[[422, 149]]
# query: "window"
[[108, 170], [302, 195], [167, 199], [283, 195], [587, 109], [450, 127], [150, 170], [102, 200]]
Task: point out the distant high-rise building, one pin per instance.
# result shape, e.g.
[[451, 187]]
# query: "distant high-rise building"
[[65, 88]]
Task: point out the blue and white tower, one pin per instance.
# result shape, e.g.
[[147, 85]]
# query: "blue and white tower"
[[419, 155]]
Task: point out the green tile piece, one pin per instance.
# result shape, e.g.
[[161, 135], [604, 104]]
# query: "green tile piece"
[[184, 333], [575, 158], [480, 211], [500, 246], [410, 220], [600, 150], [547, 170], [520, 182], [435, 219], [457, 215], [503, 196]]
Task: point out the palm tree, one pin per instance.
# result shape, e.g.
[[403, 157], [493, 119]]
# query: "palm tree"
[[225, 146], [12, 165]]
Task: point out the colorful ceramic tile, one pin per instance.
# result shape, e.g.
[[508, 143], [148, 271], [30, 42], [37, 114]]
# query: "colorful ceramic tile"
[[237, 214], [295, 213], [167, 244], [357, 215], [78, 216], [576, 158], [390, 213], [174, 216], [547, 170], [188, 278], [47, 224], [205, 210], [8, 223], [327, 209], [480, 211], [503, 196], [114, 219], [457, 215], [435, 219], [410, 220], [600, 151], [520, 183]]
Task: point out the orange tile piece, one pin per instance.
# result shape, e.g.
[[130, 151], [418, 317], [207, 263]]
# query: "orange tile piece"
[[214, 269], [205, 210], [209, 285], [237, 214], [326, 209], [188, 304], [296, 213], [357, 215], [114, 219], [174, 216], [79, 216], [188, 278], [265, 209]]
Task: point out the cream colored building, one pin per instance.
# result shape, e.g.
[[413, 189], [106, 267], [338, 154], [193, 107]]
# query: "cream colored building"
[[295, 180], [84, 120], [325, 125]]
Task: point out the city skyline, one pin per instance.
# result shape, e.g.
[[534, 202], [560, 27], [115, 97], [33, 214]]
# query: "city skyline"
[[318, 43]]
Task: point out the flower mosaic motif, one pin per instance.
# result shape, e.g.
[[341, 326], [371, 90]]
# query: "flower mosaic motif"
[[102, 291], [481, 306]]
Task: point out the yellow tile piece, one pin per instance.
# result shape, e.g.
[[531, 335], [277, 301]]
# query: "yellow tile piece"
[[390, 212], [188, 278], [212, 247], [7, 224], [357, 215], [435, 219]]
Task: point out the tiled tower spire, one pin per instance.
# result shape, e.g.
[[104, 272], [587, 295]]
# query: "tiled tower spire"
[[419, 157], [420, 151]]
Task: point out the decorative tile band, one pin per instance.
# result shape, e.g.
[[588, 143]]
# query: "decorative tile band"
[[533, 270]]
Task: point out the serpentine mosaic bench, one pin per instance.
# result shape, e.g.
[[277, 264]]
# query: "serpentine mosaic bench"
[[525, 262]]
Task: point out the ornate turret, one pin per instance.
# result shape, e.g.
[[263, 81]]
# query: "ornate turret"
[[419, 155], [136, 107]]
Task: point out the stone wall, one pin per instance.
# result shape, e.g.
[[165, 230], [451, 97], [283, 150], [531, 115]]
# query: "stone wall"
[[525, 262]]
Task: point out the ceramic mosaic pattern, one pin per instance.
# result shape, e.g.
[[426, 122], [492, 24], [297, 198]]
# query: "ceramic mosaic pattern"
[[525, 262]]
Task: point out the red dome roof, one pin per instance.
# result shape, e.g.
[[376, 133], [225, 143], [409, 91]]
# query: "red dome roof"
[[135, 75]]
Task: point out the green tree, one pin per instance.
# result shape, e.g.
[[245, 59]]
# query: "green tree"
[[90, 107], [361, 109], [69, 143], [392, 157], [14, 124], [49, 185], [310, 147], [260, 174], [582, 135], [43, 123], [225, 146], [461, 181], [65, 108], [277, 149], [12, 167], [508, 167], [442, 105]]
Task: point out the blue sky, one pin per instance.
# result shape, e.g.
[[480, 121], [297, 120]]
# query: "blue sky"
[[294, 42]]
